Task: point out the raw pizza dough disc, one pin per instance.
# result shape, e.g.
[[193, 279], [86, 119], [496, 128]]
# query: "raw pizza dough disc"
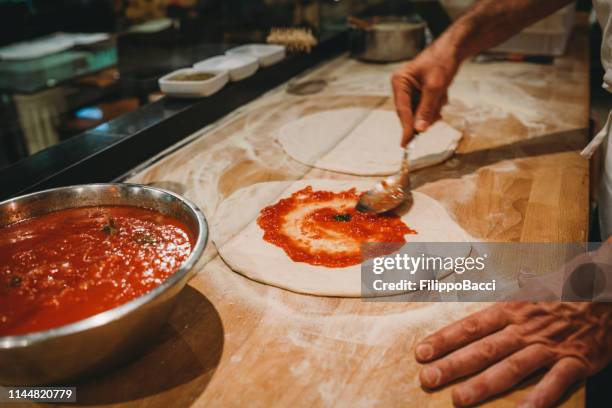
[[240, 242], [364, 143]]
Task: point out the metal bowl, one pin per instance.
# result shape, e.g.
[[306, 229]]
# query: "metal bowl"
[[104, 340], [387, 39]]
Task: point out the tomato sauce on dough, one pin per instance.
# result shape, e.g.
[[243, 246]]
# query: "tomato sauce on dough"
[[323, 228], [71, 264]]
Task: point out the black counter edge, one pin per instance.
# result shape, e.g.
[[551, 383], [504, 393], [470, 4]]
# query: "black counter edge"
[[104, 153]]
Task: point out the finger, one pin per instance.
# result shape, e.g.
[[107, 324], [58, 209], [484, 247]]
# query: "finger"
[[444, 100], [404, 112], [472, 358], [429, 107], [443, 103], [458, 334], [402, 90], [502, 375], [407, 135], [438, 115], [555, 383]]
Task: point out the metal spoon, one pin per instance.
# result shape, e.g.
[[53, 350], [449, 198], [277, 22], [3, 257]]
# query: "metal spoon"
[[395, 190], [389, 193]]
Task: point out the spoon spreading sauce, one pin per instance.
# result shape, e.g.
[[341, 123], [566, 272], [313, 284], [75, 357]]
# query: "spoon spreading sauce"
[[323, 228]]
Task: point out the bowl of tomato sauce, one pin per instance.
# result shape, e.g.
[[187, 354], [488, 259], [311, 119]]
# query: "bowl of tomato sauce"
[[88, 276]]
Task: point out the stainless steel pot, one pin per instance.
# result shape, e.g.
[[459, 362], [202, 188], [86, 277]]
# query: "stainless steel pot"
[[386, 39], [108, 338]]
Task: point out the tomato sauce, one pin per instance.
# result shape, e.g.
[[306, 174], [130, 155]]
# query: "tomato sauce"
[[331, 223], [72, 264]]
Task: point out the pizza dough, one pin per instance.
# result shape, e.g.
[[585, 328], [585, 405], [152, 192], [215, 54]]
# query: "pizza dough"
[[362, 142], [240, 243]]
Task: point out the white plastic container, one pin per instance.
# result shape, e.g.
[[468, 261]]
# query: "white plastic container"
[[455, 8], [193, 89], [238, 66], [548, 36], [266, 54]]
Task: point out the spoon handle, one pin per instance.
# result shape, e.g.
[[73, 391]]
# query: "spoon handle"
[[405, 171], [415, 98]]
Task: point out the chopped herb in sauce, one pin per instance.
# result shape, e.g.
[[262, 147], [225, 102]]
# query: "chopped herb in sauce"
[[15, 281], [342, 217], [109, 228]]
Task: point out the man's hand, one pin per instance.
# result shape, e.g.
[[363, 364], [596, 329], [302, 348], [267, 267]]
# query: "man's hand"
[[507, 342], [485, 24], [430, 73]]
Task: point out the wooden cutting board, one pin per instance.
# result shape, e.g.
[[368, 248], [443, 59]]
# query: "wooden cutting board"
[[233, 342]]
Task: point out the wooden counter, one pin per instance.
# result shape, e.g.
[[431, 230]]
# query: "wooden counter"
[[233, 342]]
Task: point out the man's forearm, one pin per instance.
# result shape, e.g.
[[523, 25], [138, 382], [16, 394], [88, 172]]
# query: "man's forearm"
[[490, 22]]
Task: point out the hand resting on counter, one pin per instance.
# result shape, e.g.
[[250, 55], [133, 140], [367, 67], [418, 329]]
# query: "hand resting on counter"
[[507, 342]]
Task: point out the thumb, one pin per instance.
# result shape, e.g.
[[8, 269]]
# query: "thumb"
[[429, 107], [407, 133]]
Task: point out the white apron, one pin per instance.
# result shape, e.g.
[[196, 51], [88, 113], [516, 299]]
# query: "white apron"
[[603, 8]]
